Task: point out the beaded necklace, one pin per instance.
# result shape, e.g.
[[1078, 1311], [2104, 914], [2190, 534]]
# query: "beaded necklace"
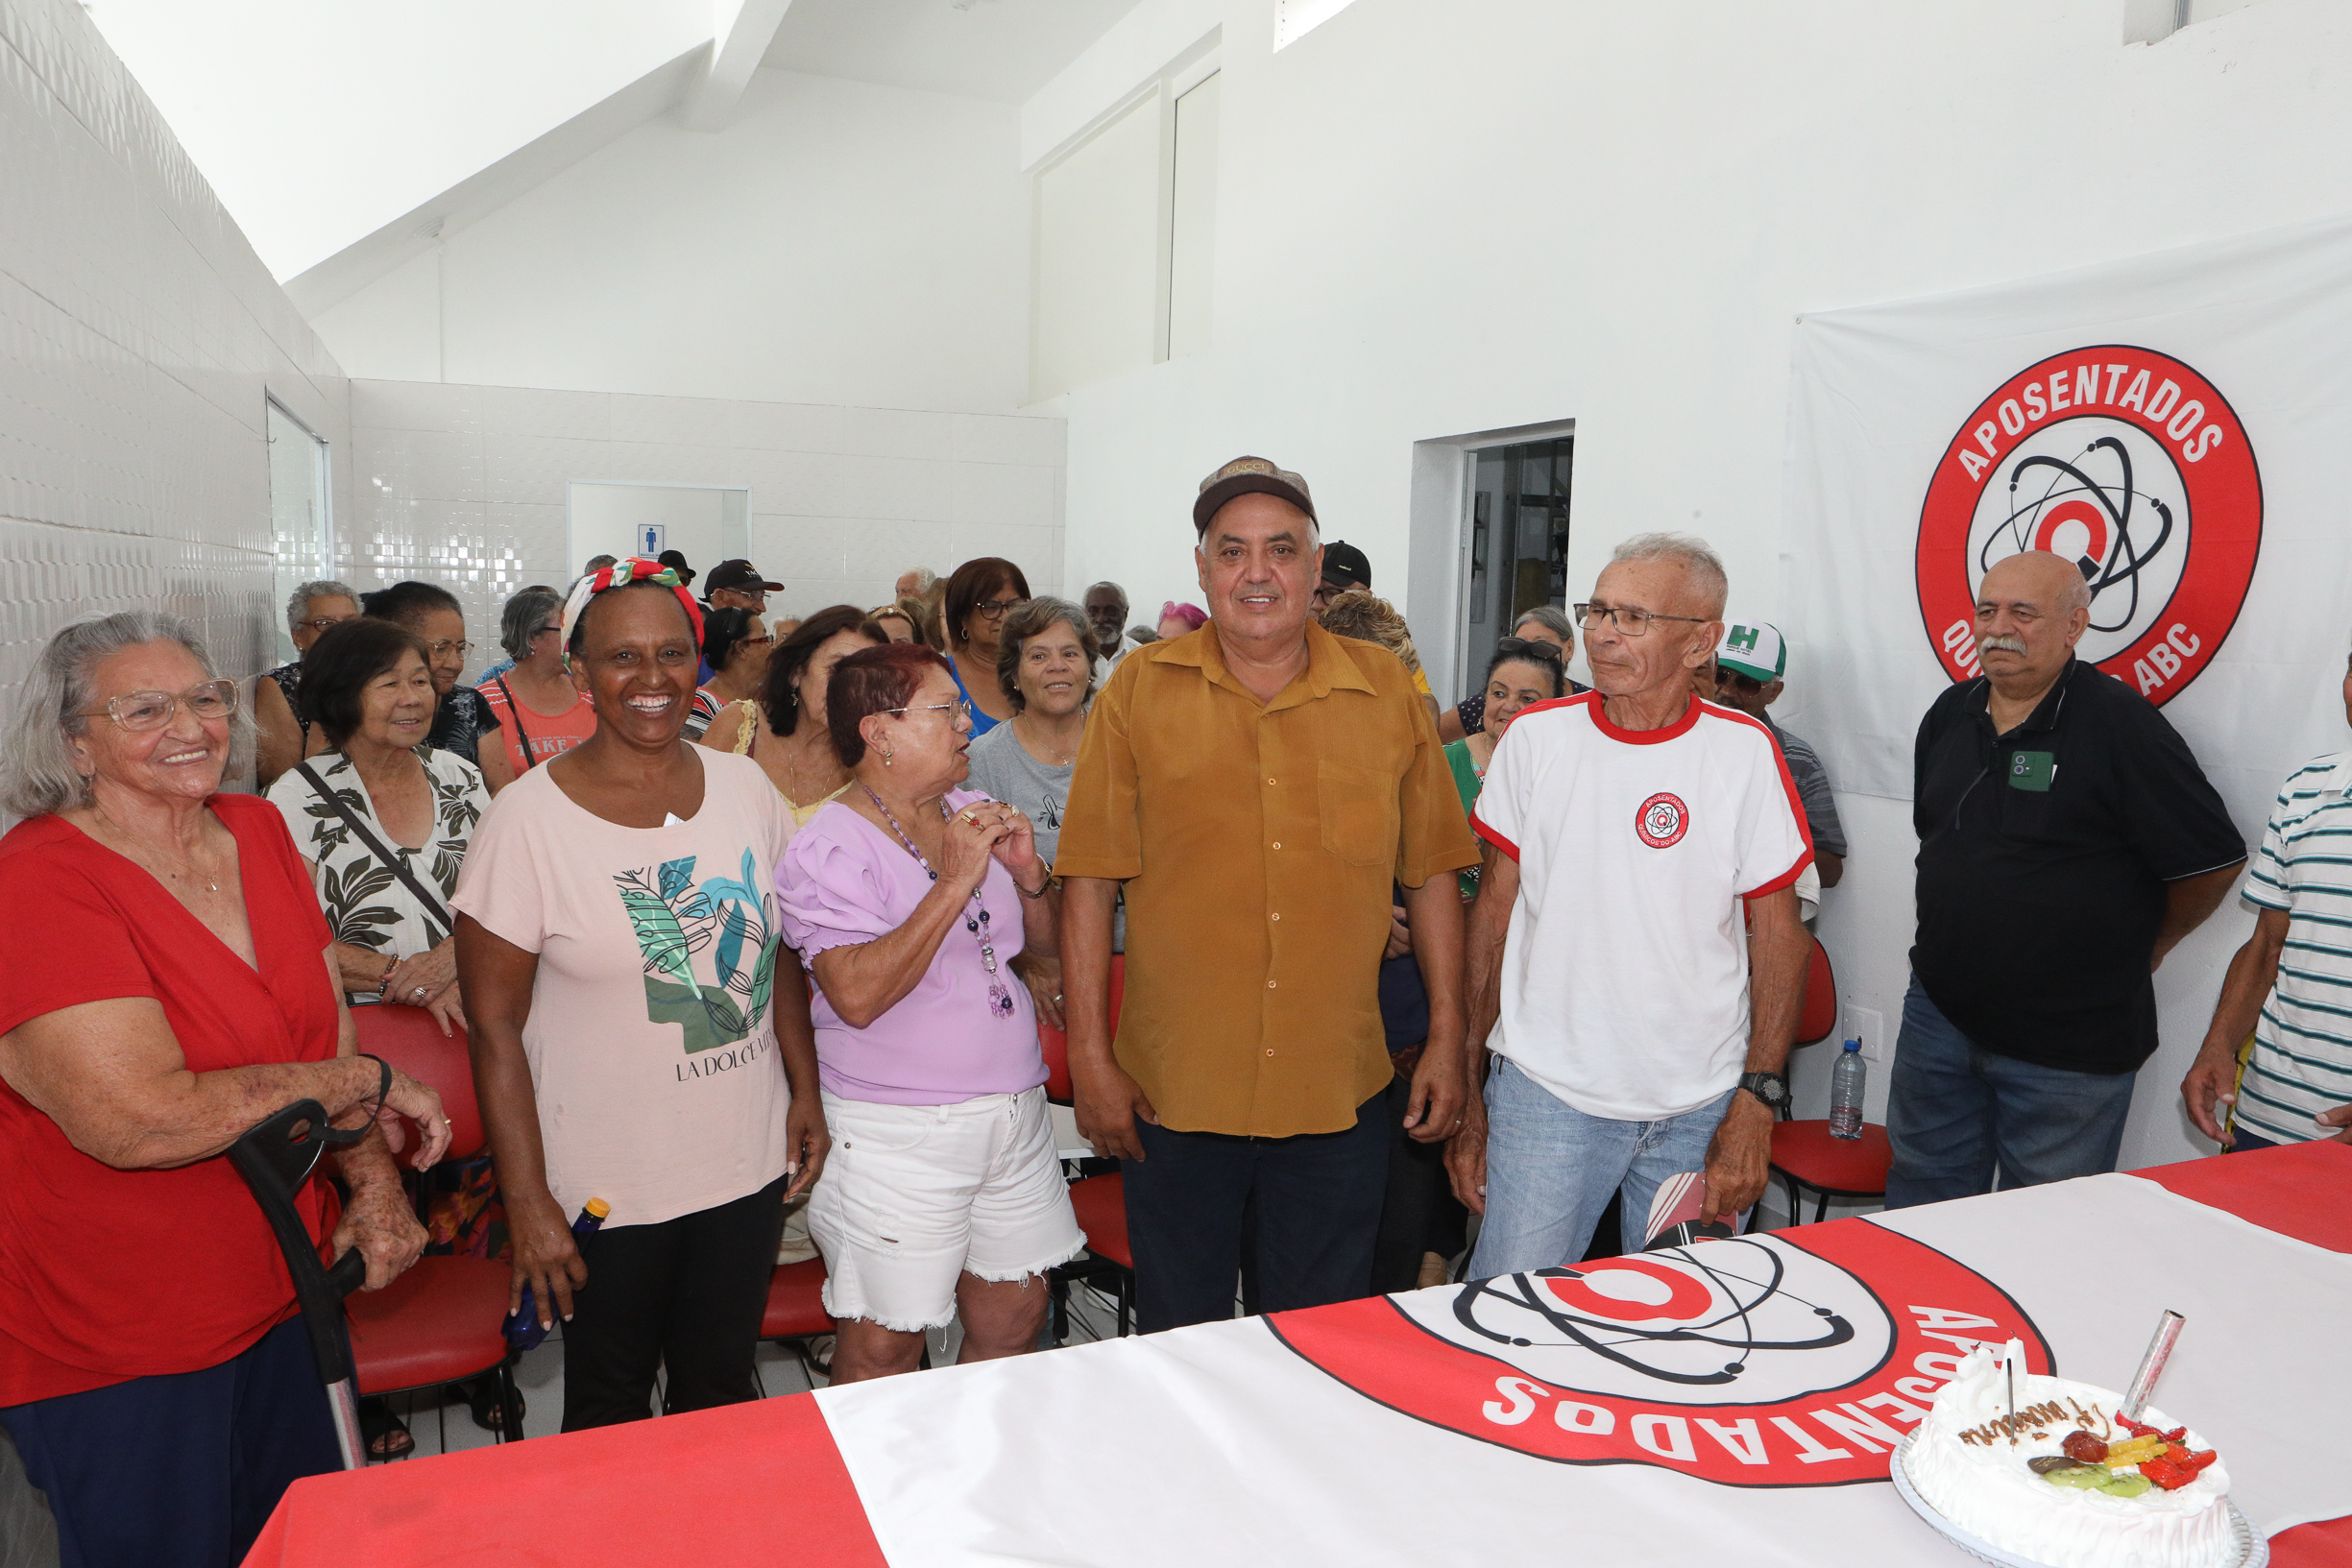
[[1000, 1000]]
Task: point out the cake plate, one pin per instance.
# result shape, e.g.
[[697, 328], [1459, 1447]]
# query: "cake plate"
[[2253, 1551]]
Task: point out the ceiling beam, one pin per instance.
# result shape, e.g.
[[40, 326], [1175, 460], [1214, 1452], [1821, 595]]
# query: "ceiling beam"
[[742, 38]]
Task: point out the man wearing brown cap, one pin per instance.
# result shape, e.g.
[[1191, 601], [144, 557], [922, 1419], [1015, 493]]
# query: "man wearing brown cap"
[[1256, 787]]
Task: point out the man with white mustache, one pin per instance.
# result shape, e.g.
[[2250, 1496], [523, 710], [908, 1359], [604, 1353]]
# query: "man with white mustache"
[[2068, 841]]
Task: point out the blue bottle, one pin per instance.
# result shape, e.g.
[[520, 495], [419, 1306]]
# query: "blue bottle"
[[1846, 1092], [522, 1327]]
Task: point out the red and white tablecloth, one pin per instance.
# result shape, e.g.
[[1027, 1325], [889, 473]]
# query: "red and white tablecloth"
[[1738, 1401]]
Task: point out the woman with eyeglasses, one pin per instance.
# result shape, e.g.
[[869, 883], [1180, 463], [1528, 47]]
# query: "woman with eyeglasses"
[[285, 734], [1524, 671], [537, 710], [463, 716], [169, 985], [907, 900], [978, 596], [736, 644], [783, 728], [1542, 624]]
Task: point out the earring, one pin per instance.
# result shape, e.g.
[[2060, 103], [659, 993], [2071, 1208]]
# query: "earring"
[[887, 754]]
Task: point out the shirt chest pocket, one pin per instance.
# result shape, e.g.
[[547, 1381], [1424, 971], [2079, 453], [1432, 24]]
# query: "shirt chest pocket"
[[1357, 807]]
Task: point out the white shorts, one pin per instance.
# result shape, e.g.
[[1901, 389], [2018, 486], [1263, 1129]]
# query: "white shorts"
[[913, 1196]]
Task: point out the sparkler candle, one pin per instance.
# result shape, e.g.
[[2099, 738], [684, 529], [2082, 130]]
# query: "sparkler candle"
[[2151, 1364]]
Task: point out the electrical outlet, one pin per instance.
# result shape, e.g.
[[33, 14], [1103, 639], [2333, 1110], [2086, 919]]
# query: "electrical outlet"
[[1870, 1027]]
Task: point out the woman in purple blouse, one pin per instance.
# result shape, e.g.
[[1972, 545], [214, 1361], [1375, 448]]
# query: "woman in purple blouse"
[[908, 899]]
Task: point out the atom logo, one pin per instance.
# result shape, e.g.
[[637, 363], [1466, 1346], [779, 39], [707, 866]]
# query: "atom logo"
[[1662, 820], [2125, 462], [1764, 1360]]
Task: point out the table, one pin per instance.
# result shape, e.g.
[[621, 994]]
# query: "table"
[[1347, 1434]]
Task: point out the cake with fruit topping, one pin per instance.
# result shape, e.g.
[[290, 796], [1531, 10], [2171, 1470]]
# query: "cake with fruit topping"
[[2055, 1473]]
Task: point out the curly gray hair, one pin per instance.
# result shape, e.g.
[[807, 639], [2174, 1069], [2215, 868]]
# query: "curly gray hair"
[[298, 602], [37, 775]]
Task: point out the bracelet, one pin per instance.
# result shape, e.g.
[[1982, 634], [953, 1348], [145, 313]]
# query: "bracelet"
[[1043, 888], [383, 1083]]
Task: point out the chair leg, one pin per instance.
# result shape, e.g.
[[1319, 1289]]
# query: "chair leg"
[[1821, 1210], [510, 1406], [1796, 1204]]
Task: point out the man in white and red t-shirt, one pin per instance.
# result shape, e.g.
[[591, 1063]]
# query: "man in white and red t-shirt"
[[1609, 971]]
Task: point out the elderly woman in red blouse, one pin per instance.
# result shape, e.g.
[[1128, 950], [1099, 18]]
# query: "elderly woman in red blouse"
[[168, 983]]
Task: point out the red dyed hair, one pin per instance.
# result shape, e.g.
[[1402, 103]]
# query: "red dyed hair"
[[874, 681]]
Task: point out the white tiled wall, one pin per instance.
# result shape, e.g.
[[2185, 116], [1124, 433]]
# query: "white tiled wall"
[[466, 486], [138, 338]]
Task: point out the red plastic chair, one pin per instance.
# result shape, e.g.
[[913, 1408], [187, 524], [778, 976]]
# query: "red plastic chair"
[[796, 1310], [1803, 1154], [1100, 1201], [441, 1321]]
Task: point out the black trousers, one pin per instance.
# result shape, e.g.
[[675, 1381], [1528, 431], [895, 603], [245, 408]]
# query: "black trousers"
[[1316, 1203], [687, 1295], [1420, 1212]]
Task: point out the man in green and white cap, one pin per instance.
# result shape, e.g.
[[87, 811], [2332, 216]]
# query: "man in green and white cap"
[[1750, 663]]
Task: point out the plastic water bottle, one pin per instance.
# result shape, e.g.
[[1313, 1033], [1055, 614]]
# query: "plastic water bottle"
[[522, 1326], [1846, 1092]]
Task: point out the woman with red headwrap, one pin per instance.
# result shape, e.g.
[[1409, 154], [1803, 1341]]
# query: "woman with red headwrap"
[[635, 1039]]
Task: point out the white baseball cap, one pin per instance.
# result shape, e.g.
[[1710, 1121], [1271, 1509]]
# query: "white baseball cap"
[[1753, 648]]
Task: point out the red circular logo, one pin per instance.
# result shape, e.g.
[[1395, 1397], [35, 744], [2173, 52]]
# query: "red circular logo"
[[1662, 820], [1787, 1359], [2125, 462]]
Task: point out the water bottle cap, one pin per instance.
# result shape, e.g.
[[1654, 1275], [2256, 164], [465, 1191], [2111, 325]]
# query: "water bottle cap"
[[598, 1207], [1853, 1045]]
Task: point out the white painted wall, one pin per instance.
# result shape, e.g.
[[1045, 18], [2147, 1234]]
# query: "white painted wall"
[[1481, 214], [139, 337], [839, 243], [467, 486]]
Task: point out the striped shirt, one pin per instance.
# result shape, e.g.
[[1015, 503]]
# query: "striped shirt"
[[2302, 1061]]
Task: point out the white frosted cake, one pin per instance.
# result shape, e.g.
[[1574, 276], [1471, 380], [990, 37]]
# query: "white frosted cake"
[[2066, 1481]]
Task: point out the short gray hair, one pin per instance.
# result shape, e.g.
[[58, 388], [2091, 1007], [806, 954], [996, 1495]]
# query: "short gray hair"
[[1033, 619], [522, 617], [37, 775], [1551, 620], [1687, 551], [298, 602]]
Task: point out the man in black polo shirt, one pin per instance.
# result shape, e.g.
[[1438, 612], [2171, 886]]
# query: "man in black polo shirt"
[[2067, 841]]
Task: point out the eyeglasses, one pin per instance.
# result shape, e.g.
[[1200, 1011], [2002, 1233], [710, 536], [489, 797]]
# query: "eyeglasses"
[[755, 641], [995, 609], [1528, 647], [1629, 622], [539, 631], [320, 623], [141, 710], [443, 649], [961, 707]]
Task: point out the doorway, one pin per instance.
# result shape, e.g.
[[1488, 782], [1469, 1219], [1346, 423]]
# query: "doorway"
[[706, 524], [303, 545], [1517, 549]]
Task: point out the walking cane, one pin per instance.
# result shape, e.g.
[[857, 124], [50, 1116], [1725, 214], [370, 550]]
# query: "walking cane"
[[275, 1157]]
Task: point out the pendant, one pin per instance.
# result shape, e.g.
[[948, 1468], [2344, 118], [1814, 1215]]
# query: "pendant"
[[1000, 1000]]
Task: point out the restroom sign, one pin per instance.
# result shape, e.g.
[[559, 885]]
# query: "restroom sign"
[[2127, 463], [652, 539]]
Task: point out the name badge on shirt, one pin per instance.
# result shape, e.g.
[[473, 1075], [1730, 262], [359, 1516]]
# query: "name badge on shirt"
[[2032, 770]]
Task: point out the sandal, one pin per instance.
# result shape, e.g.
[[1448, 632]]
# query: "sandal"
[[481, 1397], [384, 1435]]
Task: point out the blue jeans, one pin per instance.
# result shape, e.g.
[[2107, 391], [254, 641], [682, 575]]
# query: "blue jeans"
[[1956, 1113], [1551, 1169]]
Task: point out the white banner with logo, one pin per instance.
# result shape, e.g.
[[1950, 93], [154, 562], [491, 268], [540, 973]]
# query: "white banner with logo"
[[1735, 1401], [2180, 423]]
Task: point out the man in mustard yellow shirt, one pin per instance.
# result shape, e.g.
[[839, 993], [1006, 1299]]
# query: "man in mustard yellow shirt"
[[1256, 787]]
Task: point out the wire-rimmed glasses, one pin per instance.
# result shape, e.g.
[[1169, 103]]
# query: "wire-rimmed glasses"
[[140, 710]]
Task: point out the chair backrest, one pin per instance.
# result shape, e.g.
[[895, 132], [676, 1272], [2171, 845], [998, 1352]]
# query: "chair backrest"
[[1056, 1045], [411, 1040], [1817, 1014]]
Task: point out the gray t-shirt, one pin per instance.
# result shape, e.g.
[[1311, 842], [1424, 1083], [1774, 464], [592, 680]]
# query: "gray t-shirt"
[[1812, 781], [1004, 767]]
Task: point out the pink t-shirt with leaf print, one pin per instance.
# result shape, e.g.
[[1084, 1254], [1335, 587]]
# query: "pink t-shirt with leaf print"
[[650, 1039]]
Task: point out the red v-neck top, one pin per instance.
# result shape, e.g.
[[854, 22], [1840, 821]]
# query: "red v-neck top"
[[108, 1275]]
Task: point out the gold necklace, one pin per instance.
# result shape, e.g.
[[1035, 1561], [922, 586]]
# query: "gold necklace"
[[1058, 761], [145, 860]]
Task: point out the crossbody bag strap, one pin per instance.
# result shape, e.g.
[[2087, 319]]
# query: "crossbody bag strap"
[[394, 864], [514, 714]]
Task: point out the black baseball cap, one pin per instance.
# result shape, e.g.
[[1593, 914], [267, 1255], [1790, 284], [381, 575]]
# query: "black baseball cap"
[[1343, 563], [1247, 475], [737, 574]]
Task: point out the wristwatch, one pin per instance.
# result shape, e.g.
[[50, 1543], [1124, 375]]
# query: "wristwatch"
[[1769, 1087]]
